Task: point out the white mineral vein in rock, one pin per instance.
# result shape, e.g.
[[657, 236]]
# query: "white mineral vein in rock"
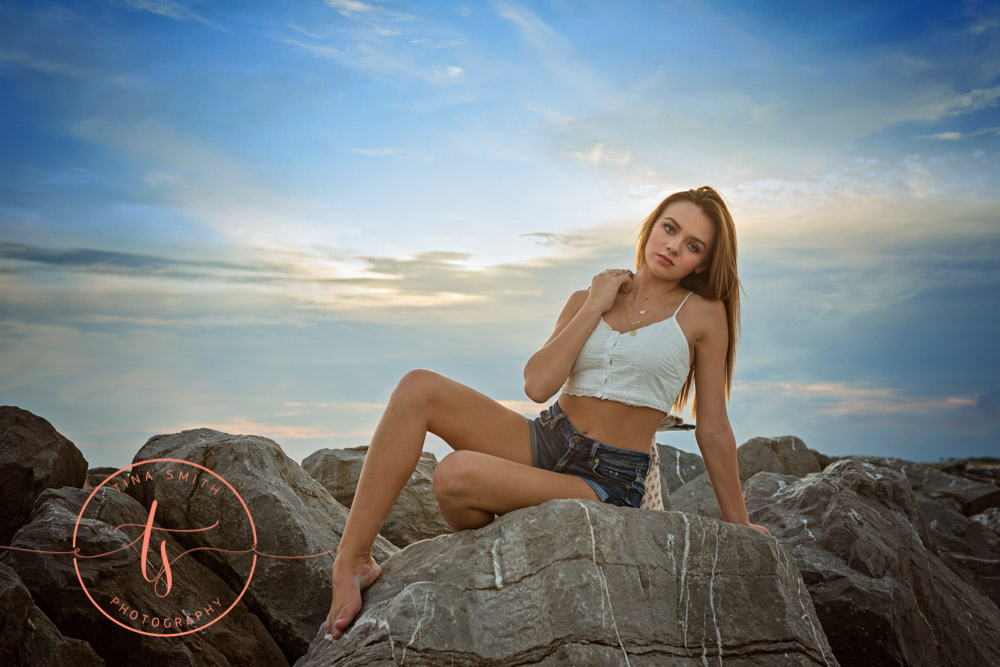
[[607, 593], [497, 579], [711, 595], [684, 567]]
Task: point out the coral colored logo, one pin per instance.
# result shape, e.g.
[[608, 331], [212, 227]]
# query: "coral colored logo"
[[121, 610]]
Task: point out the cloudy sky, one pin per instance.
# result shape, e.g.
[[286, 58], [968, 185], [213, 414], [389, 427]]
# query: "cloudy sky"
[[256, 216]]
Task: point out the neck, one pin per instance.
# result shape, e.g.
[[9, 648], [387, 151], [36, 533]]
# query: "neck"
[[646, 287]]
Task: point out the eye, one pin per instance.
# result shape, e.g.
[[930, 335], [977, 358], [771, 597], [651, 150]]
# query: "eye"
[[667, 226], [694, 247]]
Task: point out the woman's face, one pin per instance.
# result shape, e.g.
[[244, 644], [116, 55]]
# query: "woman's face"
[[680, 241]]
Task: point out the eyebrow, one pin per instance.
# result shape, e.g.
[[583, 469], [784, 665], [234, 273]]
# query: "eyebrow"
[[682, 229]]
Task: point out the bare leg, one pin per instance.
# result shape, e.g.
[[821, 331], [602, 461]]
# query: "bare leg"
[[493, 476], [392, 456]]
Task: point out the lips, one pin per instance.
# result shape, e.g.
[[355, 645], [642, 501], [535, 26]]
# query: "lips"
[[664, 260]]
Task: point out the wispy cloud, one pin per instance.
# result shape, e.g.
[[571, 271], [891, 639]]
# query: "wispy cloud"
[[855, 400], [601, 152], [349, 7], [169, 9]]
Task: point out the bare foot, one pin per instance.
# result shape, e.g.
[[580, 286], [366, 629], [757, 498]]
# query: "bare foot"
[[349, 579]]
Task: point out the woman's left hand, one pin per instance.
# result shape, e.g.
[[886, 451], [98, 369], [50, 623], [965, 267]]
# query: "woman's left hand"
[[761, 529]]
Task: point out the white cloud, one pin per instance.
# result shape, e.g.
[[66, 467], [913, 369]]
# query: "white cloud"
[[167, 8], [836, 398], [602, 153], [348, 7]]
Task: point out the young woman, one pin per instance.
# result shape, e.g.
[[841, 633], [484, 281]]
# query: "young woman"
[[625, 352]]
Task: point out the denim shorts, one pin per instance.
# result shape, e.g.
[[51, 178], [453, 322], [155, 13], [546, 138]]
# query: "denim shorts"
[[617, 475]]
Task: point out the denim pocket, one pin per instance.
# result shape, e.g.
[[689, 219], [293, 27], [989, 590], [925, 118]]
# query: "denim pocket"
[[622, 473]]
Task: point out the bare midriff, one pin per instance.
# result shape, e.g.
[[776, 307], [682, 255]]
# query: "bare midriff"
[[611, 422]]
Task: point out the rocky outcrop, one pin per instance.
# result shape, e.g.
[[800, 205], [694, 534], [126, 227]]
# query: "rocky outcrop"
[[292, 515], [677, 468], [786, 455], [116, 583], [33, 457], [577, 582], [883, 595], [28, 637], [415, 516], [963, 495]]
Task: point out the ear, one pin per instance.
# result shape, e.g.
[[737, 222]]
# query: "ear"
[[701, 269]]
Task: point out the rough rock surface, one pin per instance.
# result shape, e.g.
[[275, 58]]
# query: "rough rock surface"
[[292, 513], [883, 595], [578, 582], [28, 637], [237, 639], [786, 455], [415, 516], [961, 494], [677, 468], [33, 457]]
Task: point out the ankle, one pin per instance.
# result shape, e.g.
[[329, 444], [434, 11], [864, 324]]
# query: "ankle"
[[346, 556]]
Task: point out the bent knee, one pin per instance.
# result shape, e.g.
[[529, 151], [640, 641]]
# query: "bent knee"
[[416, 385], [454, 475]]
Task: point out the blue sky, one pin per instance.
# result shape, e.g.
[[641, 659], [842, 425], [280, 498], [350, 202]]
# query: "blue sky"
[[257, 216]]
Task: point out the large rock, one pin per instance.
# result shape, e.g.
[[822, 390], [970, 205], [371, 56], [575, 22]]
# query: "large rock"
[[33, 457], [972, 549], [578, 582], [415, 516], [293, 514], [677, 468], [866, 555], [115, 581], [28, 637], [963, 495], [786, 455]]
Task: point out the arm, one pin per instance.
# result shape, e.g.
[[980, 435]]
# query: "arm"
[[547, 369], [712, 430]]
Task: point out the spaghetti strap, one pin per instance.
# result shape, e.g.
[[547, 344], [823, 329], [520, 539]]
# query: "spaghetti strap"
[[682, 304]]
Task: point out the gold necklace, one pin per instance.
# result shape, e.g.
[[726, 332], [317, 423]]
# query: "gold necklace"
[[628, 313]]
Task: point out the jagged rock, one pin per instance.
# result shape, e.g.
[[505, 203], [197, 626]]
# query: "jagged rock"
[[786, 455], [115, 581], [677, 468], [578, 582], [97, 475], [293, 515], [963, 495], [882, 594], [972, 549], [415, 516], [990, 518], [28, 637], [33, 457]]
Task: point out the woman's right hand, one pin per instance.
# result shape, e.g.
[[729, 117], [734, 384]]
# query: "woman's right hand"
[[605, 286]]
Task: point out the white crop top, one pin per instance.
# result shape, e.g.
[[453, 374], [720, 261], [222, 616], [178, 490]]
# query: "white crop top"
[[647, 369]]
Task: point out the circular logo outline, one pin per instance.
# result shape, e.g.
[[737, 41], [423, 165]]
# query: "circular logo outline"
[[76, 563]]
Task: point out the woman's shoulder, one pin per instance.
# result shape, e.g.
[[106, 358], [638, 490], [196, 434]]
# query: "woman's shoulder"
[[707, 313]]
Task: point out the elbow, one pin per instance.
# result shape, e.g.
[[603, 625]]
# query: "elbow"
[[535, 392]]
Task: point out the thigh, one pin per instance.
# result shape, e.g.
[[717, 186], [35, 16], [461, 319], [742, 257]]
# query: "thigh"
[[497, 485], [469, 420]]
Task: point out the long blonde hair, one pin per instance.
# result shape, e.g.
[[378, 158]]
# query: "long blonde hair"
[[720, 282]]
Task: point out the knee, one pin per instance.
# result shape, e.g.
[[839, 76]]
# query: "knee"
[[416, 385], [453, 475]]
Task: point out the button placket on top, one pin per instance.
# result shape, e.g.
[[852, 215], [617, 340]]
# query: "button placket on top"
[[609, 346]]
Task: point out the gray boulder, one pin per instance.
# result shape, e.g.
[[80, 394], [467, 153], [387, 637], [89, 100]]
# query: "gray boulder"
[[961, 494], [293, 516], [33, 457], [415, 516], [786, 455], [578, 582], [884, 597], [677, 468], [115, 581], [28, 637]]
